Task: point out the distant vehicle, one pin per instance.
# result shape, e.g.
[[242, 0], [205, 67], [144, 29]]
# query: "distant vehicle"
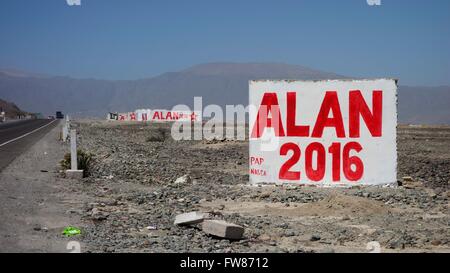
[[59, 115], [50, 117]]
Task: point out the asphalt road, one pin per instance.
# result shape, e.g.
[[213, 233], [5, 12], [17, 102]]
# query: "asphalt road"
[[17, 137]]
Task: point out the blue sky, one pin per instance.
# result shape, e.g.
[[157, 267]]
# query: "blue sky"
[[129, 39]]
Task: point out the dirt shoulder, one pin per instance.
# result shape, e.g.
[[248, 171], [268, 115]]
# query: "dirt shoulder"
[[36, 204]]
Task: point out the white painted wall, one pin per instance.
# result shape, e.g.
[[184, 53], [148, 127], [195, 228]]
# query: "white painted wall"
[[379, 154]]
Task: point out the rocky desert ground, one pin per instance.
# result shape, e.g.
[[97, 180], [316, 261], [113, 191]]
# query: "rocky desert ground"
[[140, 179]]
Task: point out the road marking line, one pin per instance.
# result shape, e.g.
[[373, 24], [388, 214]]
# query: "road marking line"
[[29, 133]]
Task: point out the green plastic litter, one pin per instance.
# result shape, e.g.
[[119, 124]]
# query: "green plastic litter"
[[71, 231]]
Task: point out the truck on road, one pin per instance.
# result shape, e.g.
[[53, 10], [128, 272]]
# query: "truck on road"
[[59, 115]]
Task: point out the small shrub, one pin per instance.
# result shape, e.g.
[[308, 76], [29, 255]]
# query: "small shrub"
[[83, 161]]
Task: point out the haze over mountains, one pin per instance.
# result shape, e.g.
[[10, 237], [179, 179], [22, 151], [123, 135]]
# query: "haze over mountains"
[[218, 83]]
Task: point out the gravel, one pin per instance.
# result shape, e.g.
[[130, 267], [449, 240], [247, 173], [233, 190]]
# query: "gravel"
[[141, 177]]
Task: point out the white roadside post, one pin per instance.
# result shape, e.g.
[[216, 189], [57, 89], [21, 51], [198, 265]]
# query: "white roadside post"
[[65, 129], [73, 150], [65, 132], [73, 173]]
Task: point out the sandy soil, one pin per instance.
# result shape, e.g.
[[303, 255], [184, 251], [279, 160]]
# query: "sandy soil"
[[35, 203], [130, 199]]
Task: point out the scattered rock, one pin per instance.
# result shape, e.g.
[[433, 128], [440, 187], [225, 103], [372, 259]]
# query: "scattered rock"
[[99, 215], [397, 244], [190, 218], [409, 183], [290, 233], [407, 179], [223, 229], [264, 195], [183, 179], [436, 242], [371, 231]]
